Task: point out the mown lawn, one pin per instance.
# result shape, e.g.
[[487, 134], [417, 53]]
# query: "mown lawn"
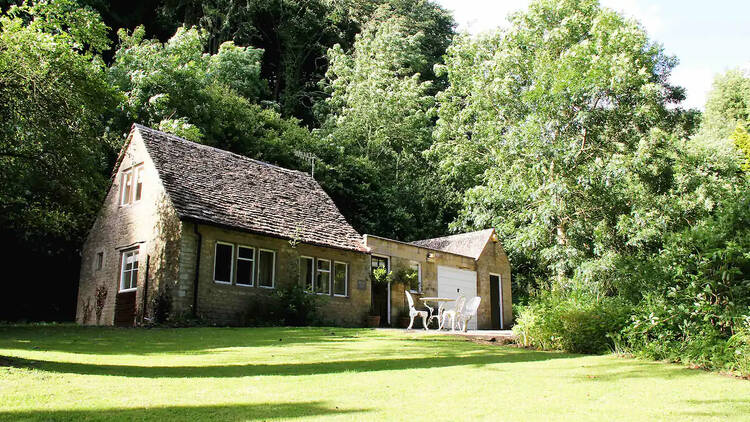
[[75, 373]]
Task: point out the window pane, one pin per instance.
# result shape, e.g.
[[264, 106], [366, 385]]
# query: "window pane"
[[247, 253], [125, 283], [339, 279], [265, 268], [138, 183], [127, 183], [413, 278], [223, 263], [378, 262], [324, 265], [306, 271], [99, 260], [129, 271], [244, 272], [323, 282]]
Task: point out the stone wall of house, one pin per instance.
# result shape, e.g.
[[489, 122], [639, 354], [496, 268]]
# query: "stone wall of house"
[[493, 260], [234, 304], [150, 225], [401, 255]]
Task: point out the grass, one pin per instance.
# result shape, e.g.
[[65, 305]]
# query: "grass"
[[76, 373]]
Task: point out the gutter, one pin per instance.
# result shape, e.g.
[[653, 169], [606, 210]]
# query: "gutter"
[[197, 269], [196, 220]]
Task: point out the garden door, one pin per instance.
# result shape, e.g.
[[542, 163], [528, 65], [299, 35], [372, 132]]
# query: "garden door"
[[496, 302], [381, 292]]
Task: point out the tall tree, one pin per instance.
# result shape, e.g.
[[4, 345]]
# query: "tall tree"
[[203, 97], [296, 34], [556, 131], [54, 99], [380, 121], [727, 107]]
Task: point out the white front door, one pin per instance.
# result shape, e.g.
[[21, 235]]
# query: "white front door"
[[452, 281]]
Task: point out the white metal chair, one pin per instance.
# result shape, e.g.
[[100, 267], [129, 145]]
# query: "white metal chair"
[[453, 313], [413, 312], [437, 316], [469, 312]]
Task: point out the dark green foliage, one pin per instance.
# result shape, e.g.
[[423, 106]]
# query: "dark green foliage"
[[573, 323], [290, 305], [161, 306], [296, 34], [204, 98], [700, 295], [54, 98], [297, 307], [378, 123]]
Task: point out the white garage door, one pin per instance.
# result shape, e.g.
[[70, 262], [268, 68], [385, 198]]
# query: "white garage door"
[[452, 281]]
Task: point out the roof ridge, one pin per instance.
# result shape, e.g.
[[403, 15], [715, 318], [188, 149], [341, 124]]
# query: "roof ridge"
[[223, 151], [454, 235]]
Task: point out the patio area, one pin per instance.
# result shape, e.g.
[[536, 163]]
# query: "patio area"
[[499, 336]]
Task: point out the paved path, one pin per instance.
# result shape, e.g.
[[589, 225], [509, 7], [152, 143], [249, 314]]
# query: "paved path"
[[502, 336]]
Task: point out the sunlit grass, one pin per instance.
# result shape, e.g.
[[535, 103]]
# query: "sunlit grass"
[[75, 373]]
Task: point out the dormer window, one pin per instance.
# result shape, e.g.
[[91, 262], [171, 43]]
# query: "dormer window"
[[131, 189]]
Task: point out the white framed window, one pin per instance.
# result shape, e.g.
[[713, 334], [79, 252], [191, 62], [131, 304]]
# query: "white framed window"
[[129, 271], [131, 187], [223, 260], [306, 272], [266, 268], [323, 277], [245, 265], [416, 287], [379, 262], [340, 278], [126, 188]]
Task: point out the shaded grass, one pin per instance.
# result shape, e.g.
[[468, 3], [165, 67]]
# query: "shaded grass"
[[79, 373]]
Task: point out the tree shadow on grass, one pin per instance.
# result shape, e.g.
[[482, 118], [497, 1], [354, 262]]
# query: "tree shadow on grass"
[[718, 408], [369, 364], [196, 340], [629, 368], [229, 412]]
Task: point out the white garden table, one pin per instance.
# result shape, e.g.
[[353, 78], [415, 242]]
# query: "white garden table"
[[440, 301]]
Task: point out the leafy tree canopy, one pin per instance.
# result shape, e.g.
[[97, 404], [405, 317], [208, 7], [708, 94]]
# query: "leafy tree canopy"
[[54, 98], [210, 98], [379, 122], [557, 132], [727, 108]]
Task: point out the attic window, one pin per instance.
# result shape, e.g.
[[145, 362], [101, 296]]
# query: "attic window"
[[99, 261], [131, 187]]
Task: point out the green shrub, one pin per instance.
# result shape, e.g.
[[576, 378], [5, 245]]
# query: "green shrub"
[[578, 324], [290, 305], [297, 306], [696, 309], [739, 349], [161, 305]]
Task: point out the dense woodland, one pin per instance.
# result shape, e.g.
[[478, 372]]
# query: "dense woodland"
[[625, 216]]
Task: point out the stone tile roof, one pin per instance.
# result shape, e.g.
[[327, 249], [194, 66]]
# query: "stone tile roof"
[[467, 244], [214, 186]]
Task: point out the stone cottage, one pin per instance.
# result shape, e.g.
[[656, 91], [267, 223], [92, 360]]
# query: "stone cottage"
[[213, 231]]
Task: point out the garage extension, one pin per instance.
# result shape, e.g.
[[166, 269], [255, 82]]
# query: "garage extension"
[[473, 264]]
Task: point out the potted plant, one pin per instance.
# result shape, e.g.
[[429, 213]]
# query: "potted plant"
[[403, 318], [373, 320]]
